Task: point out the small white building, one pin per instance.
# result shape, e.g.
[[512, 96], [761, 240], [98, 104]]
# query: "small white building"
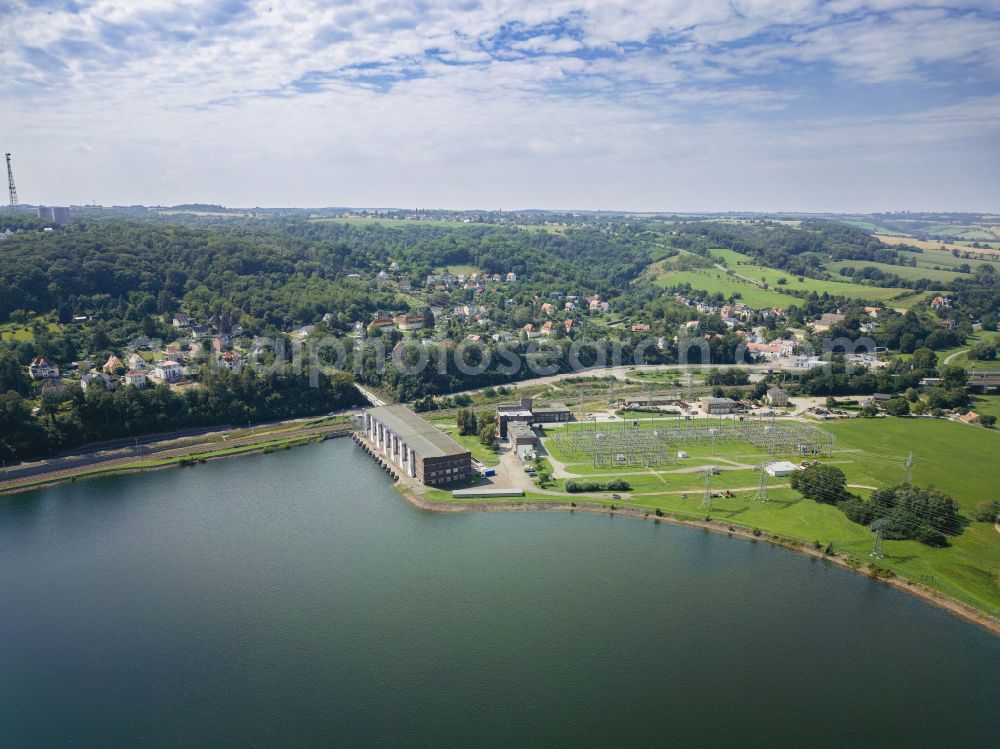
[[135, 361], [95, 379], [168, 371], [780, 468], [136, 378]]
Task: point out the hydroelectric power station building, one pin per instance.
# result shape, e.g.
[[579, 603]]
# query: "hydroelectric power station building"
[[418, 448]]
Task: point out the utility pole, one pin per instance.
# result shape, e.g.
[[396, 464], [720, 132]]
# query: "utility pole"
[[11, 189]]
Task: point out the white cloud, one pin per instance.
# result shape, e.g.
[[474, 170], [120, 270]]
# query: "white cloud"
[[489, 103]]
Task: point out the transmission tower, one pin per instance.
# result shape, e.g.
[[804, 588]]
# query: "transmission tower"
[[877, 527], [10, 187], [706, 500], [762, 486], [908, 471]]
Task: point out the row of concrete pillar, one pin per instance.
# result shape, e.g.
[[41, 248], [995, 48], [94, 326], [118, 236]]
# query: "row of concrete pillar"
[[389, 443]]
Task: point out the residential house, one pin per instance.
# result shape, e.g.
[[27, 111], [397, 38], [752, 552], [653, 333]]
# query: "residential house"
[[167, 370], [95, 379], [547, 327], [568, 324], [409, 322], [181, 321], [640, 327], [136, 378], [43, 369], [231, 360], [776, 397], [970, 418], [135, 361], [113, 365]]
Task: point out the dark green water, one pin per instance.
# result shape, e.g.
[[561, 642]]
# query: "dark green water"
[[295, 599]]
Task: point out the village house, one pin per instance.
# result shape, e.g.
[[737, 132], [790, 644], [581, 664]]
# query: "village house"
[[95, 379], [547, 309], [113, 365], [181, 321], [409, 322], [231, 360], [167, 370], [43, 369], [136, 378], [568, 324], [640, 327], [547, 327], [777, 397], [135, 361]]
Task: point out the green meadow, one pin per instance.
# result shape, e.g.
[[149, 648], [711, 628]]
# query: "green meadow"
[[958, 459]]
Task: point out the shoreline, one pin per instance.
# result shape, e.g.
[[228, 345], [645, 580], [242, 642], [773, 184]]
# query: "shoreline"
[[928, 595]]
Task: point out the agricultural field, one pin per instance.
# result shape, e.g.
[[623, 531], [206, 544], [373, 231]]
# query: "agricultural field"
[[903, 271], [714, 281], [957, 243], [744, 265]]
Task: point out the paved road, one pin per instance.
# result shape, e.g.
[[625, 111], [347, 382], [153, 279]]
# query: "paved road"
[[66, 467]]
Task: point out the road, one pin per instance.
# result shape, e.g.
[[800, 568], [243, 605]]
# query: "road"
[[108, 460]]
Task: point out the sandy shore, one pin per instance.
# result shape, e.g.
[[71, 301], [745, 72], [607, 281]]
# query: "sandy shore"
[[929, 595]]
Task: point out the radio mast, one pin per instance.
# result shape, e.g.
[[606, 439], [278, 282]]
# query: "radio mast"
[[10, 187]]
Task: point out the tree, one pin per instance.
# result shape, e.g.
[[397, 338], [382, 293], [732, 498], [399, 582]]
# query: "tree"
[[488, 436], [987, 512], [821, 483], [428, 318], [954, 376], [988, 420], [923, 359], [983, 351], [898, 407], [465, 420], [13, 375]]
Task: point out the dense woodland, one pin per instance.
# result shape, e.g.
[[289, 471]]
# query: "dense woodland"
[[88, 289]]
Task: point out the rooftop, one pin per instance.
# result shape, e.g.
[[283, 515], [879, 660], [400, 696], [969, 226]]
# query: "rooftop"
[[426, 440]]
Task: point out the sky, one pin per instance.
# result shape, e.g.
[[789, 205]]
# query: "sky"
[[648, 105]]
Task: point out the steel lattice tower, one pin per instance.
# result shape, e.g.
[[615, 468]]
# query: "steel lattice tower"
[[908, 473], [11, 189], [706, 501], [762, 486]]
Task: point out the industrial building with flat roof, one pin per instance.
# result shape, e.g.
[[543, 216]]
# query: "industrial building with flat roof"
[[417, 447], [528, 413]]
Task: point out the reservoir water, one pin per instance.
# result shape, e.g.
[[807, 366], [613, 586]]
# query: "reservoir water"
[[295, 599]]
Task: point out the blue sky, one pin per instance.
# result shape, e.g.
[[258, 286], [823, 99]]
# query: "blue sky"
[[808, 105]]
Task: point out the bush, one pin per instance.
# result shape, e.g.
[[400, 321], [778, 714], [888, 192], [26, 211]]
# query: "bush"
[[618, 485], [987, 512]]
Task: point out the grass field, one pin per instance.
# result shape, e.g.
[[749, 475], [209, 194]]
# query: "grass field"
[[478, 450], [903, 271], [16, 332], [955, 458], [745, 266]]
